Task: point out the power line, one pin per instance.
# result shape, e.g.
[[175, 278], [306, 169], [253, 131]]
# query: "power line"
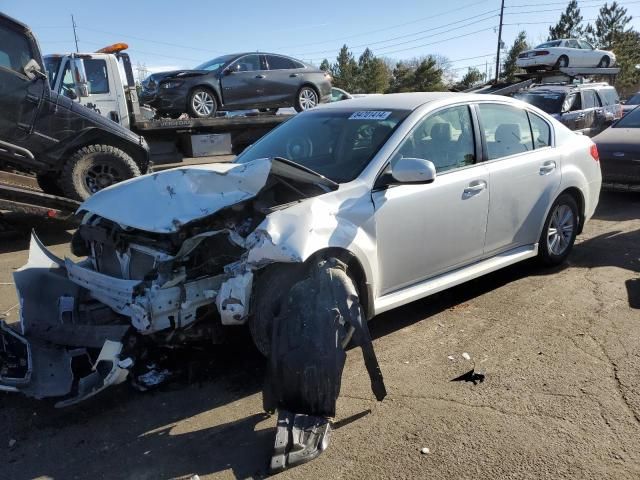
[[366, 45], [430, 17], [135, 50]]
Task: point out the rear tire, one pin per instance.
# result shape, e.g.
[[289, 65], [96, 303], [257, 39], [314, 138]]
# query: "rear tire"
[[604, 62], [202, 103], [48, 183], [306, 98], [95, 167], [559, 231]]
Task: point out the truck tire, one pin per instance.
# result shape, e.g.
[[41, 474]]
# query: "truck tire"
[[95, 167], [202, 103], [559, 231], [309, 335], [48, 183]]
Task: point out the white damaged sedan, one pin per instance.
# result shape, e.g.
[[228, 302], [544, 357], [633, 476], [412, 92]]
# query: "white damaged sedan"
[[565, 53], [341, 213]]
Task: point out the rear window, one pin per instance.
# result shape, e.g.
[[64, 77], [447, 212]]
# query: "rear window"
[[630, 120], [555, 43], [549, 102]]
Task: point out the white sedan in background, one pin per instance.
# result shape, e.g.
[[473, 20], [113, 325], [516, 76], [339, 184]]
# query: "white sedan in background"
[[564, 53]]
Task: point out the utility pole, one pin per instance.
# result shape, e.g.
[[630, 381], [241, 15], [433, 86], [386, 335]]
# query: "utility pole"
[[73, 22], [499, 42]]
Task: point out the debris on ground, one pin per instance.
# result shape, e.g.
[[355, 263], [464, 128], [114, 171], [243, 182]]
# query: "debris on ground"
[[466, 356], [425, 450], [470, 376]]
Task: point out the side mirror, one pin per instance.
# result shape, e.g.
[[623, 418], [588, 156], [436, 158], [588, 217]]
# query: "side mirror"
[[80, 77], [413, 170], [32, 70]]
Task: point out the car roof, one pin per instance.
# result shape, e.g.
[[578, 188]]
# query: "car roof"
[[398, 101]]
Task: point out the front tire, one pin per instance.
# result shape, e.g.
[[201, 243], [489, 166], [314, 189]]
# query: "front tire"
[[48, 183], [308, 341], [202, 103], [604, 62], [95, 167], [559, 231], [306, 98]]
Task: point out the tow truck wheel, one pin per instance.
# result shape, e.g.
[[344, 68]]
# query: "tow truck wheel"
[[202, 103], [95, 167], [48, 183], [308, 341]]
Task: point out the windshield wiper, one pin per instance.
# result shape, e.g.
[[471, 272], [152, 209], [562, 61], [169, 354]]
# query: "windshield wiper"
[[319, 178]]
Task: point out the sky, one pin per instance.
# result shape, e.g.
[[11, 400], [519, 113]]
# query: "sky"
[[167, 35]]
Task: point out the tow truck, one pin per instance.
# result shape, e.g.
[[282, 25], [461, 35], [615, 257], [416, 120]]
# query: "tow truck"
[[104, 82]]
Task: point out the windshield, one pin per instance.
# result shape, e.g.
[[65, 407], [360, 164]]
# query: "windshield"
[[635, 100], [51, 65], [550, 102], [337, 144], [216, 63], [630, 120], [555, 43]]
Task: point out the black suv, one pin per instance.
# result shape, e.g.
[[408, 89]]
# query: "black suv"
[[588, 108], [73, 150]]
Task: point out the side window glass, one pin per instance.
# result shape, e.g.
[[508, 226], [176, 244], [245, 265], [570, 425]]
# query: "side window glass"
[[572, 44], [444, 137], [541, 131], [97, 76], [67, 78], [576, 102], [248, 63], [279, 63], [588, 99], [15, 51], [506, 130]]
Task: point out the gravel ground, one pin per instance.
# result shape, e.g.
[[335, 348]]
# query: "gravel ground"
[[561, 397]]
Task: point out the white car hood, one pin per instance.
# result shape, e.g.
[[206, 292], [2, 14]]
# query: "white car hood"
[[163, 202]]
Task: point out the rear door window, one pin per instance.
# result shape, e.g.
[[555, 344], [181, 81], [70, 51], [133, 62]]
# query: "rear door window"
[[279, 63], [15, 50], [572, 44], [505, 129]]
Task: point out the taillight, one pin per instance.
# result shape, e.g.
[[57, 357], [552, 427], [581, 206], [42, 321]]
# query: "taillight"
[[594, 152], [539, 53]]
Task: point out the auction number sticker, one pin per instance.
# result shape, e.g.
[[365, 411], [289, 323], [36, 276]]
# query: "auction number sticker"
[[369, 115]]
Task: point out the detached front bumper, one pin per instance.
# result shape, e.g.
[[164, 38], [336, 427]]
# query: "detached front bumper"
[[74, 321]]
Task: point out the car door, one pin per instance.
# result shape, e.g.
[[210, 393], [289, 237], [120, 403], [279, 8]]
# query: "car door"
[[425, 230], [243, 82], [573, 116], [283, 79], [593, 120], [524, 175], [20, 97]]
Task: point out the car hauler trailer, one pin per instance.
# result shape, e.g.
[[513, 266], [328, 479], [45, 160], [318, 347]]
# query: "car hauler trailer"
[[104, 82]]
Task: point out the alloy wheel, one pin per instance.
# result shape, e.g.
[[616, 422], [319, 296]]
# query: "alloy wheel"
[[202, 104], [560, 230], [308, 98], [101, 176]]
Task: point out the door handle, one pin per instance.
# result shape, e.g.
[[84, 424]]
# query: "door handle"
[[547, 167], [294, 75], [259, 76], [474, 188]]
